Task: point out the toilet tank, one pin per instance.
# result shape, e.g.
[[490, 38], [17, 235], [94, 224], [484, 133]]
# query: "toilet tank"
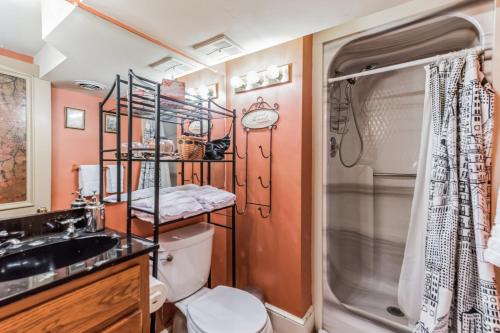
[[185, 256]]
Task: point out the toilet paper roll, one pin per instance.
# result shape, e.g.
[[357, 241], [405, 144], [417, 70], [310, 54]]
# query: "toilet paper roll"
[[157, 294]]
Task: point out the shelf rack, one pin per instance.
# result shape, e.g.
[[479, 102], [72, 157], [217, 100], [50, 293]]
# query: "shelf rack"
[[152, 105]]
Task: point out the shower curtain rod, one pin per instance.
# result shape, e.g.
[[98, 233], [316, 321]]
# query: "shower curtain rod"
[[408, 64]]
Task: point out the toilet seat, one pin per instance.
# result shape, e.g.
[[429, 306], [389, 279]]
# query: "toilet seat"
[[226, 310]]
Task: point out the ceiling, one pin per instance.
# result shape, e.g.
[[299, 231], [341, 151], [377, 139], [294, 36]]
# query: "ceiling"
[[253, 25], [20, 26]]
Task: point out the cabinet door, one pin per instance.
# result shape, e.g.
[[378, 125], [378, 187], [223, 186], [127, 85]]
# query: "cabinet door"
[[130, 324], [86, 309]]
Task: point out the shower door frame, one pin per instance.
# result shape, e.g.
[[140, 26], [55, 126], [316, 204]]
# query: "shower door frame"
[[387, 19]]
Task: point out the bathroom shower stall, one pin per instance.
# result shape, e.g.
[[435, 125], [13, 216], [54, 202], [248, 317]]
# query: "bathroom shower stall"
[[372, 126]]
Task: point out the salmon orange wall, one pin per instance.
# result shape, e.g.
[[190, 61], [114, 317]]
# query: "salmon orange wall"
[[16, 55], [75, 147], [272, 254]]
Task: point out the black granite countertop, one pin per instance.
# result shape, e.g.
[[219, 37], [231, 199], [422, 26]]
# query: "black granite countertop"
[[121, 249]]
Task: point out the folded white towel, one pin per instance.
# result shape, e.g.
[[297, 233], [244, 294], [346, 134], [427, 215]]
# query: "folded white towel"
[[88, 179], [178, 202], [149, 192], [492, 252], [212, 195], [173, 205], [111, 173]]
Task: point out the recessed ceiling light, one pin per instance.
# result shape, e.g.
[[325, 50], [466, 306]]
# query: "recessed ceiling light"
[[89, 85], [218, 48], [172, 66]]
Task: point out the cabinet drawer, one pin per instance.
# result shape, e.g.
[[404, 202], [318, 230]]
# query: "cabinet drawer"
[[87, 309], [130, 324]]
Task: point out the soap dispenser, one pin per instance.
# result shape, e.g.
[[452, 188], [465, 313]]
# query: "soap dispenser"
[[94, 212], [79, 202]]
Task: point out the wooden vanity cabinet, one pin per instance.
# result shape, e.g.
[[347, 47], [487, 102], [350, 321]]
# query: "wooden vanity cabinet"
[[129, 324], [113, 300]]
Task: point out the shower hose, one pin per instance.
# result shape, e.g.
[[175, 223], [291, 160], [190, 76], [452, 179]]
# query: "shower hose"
[[356, 125]]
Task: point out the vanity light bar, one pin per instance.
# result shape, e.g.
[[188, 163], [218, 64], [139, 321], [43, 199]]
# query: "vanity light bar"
[[272, 76]]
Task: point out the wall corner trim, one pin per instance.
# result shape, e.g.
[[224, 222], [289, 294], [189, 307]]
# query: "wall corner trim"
[[285, 322]]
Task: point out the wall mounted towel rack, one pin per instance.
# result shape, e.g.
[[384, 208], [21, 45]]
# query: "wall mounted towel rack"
[[260, 116]]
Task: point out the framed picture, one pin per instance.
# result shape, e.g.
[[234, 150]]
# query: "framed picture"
[[213, 90], [74, 118], [109, 123]]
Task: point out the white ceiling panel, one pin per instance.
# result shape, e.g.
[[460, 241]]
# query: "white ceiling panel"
[[93, 49], [20, 26], [97, 50], [253, 24]]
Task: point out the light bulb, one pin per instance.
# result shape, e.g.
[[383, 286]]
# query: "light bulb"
[[237, 82], [253, 77], [203, 91], [273, 72]]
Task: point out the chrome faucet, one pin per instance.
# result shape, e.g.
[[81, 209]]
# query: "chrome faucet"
[[11, 234], [11, 239], [71, 231], [8, 243]]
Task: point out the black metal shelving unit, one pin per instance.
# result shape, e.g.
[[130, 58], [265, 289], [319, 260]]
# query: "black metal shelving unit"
[[150, 107]]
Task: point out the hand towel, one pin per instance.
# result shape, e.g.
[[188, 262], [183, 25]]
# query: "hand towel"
[[88, 180], [492, 252], [111, 173]]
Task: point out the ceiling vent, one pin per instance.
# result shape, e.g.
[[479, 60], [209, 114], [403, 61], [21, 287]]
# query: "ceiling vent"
[[90, 85], [218, 48], [171, 66]]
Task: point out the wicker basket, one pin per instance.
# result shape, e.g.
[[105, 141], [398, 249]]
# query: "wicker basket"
[[191, 147]]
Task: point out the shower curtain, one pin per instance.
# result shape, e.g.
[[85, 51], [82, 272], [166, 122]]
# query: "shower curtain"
[[147, 174], [411, 284], [459, 292]]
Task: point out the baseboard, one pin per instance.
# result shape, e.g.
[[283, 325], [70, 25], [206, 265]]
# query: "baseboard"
[[284, 322]]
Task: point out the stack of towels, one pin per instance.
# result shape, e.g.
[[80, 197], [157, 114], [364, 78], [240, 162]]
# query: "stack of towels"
[[174, 205], [492, 252], [180, 201]]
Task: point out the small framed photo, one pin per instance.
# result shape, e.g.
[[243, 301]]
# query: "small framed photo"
[[74, 118], [109, 123]]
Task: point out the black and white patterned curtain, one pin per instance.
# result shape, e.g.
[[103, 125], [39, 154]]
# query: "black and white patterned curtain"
[[460, 292]]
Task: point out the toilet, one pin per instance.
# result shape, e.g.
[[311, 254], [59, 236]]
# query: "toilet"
[[184, 266]]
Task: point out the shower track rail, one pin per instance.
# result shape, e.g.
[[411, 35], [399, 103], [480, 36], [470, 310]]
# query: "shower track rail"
[[160, 109], [419, 62]]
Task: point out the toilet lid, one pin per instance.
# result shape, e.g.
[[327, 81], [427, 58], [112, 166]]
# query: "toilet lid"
[[227, 310]]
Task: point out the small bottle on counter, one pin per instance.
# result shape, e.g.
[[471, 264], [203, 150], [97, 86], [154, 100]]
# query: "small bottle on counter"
[[79, 202], [94, 213]]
